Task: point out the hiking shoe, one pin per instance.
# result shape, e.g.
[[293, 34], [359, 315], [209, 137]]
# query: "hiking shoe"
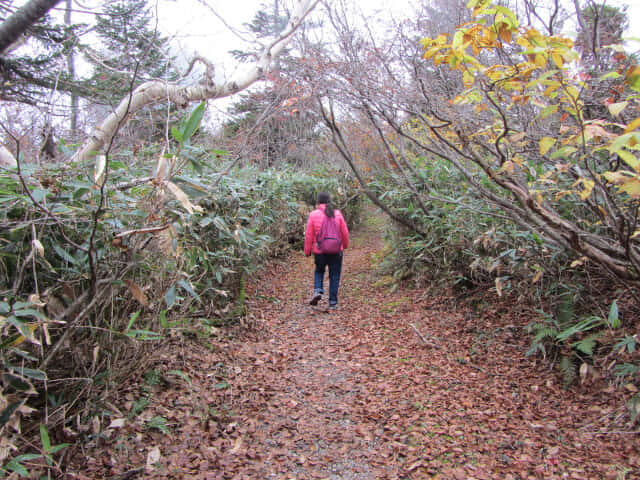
[[333, 307], [315, 298]]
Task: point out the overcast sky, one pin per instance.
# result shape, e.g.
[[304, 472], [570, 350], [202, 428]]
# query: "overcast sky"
[[195, 28]]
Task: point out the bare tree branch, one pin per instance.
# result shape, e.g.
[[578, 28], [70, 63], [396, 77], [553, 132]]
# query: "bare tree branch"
[[156, 90]]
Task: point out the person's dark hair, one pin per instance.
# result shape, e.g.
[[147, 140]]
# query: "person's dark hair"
[[324, 197]]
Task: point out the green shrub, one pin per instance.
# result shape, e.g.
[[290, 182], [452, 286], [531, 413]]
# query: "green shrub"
[[96, 264]]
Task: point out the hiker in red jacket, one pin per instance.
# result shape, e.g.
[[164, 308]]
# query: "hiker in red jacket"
[[326, 237]]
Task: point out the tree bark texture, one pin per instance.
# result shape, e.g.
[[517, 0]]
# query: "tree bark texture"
[[71, 70], [19, 22]]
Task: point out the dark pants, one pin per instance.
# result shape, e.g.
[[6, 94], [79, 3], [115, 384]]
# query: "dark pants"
[[334, 262]]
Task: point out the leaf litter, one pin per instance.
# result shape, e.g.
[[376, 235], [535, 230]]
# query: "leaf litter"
[[393, 385]]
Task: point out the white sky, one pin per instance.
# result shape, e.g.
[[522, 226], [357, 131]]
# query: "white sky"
[[195, 29]]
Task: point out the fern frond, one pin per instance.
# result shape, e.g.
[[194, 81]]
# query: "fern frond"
[[584, 325], [537, 346], [587, 344], [545, 332]]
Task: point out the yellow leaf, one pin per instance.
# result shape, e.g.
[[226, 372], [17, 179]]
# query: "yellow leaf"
[[617, 178], [457, 39], [491, 38], [631, 388], [588, 188], [616, 109], [632, 188], [572, 92], [431, 52], [630, 159], [632, 78], [551, 88], [602, 211], [557, 59], [545, 144], [467, 79], [548, 110], [21, 338], [632, 126], [540, 60], [579, 262]]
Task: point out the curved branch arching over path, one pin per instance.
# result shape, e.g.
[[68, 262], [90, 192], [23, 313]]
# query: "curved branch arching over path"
[[155, 91]]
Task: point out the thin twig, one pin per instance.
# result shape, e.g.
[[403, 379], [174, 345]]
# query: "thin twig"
[[128, 474], [478, 368], [421, 337], [614, 432]]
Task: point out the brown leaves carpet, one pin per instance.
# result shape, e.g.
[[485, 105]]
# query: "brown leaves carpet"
[[357, 394]]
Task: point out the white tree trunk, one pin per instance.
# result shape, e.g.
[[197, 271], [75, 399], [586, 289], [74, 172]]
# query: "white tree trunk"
[[6, 158], [158, 91]]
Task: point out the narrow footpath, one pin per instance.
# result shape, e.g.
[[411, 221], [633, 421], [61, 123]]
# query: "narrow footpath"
[[393, 385]]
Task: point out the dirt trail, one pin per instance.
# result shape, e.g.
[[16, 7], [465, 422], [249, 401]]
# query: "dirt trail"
[[356, 394]]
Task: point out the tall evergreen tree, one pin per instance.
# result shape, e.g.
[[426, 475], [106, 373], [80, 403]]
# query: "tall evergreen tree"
[[131, 50], [31, 66]]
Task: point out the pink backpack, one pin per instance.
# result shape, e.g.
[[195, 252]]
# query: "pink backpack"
[[329, 238]]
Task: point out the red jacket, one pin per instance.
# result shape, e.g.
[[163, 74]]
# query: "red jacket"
[[313, 227]]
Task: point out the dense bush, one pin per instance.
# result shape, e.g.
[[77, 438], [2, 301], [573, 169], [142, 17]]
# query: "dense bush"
[[97, 264], [585, 322], [459, 237]]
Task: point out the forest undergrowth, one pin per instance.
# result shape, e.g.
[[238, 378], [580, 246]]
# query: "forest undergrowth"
[[396, 384]]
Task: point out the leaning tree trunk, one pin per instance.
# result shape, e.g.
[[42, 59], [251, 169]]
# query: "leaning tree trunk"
[[71, 70], [159, 91], [19, 22]]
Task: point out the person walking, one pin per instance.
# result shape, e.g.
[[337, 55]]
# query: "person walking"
[[326, 237]]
